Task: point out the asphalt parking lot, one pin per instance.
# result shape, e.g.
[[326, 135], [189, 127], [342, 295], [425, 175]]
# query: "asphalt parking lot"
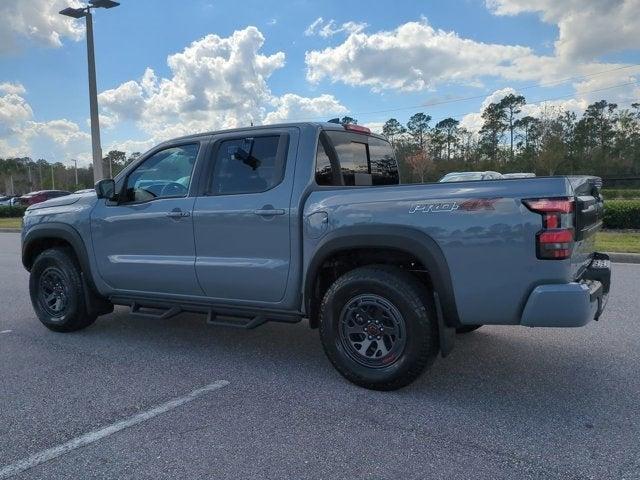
[[509, 402]]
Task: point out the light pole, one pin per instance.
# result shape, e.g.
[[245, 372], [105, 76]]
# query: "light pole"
[[75, 162], [93, 92]]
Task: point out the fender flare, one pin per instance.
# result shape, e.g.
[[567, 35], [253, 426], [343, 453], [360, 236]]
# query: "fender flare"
[[61, 231], [404, 239]]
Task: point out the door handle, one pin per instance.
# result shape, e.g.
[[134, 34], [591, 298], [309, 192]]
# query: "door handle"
[[269, 212], [177, 213]]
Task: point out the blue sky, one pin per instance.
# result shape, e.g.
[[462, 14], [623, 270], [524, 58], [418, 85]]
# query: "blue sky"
[[371, 60]]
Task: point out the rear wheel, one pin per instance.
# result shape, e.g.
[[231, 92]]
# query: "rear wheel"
[[377, 327], [57, 291]]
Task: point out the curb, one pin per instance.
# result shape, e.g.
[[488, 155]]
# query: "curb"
[[624, 257], [10, 230]]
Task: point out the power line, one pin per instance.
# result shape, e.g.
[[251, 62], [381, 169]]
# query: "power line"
[[475, 97]]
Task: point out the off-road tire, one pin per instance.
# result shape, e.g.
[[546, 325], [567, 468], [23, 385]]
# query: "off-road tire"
[[60, 264], [415, 305]]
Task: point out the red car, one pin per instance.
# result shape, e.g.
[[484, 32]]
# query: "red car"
[[32, 198]]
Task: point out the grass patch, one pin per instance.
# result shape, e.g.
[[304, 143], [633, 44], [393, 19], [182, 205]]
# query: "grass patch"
[[622, 242], [10, 222]]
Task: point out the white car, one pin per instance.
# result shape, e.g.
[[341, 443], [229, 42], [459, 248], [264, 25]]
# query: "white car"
[[519, 175], [466, 176]]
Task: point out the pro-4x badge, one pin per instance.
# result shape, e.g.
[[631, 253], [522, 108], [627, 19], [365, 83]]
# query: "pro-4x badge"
[[433, 207]]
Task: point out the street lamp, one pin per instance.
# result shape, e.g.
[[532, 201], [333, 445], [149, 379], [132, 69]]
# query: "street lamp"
[[93, 93]]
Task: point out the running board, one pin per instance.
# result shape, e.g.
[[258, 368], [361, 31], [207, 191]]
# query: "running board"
[[235, 322], [213, 318], [147, 312]]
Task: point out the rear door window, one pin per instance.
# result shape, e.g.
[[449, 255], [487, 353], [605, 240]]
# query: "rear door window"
[[248, 165]]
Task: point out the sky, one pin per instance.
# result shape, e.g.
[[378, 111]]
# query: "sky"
[[168, 68]]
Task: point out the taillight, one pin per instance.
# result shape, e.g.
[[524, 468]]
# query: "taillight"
[[555, 240]]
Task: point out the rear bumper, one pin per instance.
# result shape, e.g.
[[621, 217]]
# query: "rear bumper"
[[571, 304]]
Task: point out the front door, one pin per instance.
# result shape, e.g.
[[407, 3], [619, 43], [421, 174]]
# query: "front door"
[[144, 242], [241, 222]]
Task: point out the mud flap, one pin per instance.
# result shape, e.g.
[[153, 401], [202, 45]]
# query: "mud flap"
[[446, 334]]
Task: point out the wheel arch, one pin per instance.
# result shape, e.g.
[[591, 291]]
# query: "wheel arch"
[[44, 236], [400, 239]]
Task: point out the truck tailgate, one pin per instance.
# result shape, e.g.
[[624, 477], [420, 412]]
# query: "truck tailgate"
[[589, 212]]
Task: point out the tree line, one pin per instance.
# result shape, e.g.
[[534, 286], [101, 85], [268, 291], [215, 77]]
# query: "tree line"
[[19, 175], [603, 141]]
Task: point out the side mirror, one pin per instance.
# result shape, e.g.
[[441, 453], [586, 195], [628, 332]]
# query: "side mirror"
[[106, 189]]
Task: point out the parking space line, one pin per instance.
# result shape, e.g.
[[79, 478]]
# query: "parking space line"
[[5, 331], [91, 437]]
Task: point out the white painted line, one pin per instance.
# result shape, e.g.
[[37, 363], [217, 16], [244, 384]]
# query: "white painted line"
[[6, 331], [91, 437]]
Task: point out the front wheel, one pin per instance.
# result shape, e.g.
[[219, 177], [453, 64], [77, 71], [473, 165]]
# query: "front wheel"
[[57, 291], [378, 328]]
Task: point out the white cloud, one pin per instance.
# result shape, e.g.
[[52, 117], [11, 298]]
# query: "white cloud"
[[375, 127], [313, 27], [14, 111], [21, 135], [415, 56], [330, 28], [473, 121], [215, 83], [292, 107], [587, 28], [130, 146], [15, 88], [36, 20]]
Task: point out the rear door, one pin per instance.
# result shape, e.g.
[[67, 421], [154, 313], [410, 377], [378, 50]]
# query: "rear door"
[[242, 216]]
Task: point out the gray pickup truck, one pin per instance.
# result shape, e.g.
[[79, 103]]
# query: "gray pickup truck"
[[309, 220]]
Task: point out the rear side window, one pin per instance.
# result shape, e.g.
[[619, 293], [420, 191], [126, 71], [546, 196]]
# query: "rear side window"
[[363, 160], [384, 168], [248, 165], [324, 172]]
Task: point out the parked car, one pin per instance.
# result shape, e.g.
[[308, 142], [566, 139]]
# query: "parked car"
[[308, 220], [6, 200], [518, 175], [470, 176], [85, 190], [40, 196]]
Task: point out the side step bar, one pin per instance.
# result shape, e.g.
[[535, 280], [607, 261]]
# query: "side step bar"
[[147, 312], [244, 320], [235, 322]]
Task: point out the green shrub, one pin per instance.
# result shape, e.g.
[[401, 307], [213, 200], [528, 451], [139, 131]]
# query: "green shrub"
[[7, 211], [627, 193], [622, 214]]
